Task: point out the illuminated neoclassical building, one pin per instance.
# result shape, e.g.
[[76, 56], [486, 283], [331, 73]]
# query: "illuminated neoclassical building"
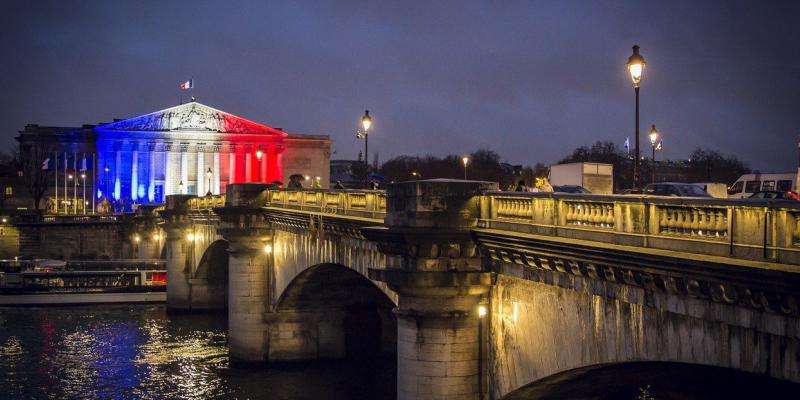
[[187, 149]]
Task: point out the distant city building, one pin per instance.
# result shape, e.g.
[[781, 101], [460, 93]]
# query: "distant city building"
[[187, 149]]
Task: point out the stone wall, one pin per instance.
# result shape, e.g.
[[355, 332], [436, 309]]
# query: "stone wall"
[[308, 155], [546, 322], [74, 241]]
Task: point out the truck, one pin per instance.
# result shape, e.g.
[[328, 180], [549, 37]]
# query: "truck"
[[595, 177]]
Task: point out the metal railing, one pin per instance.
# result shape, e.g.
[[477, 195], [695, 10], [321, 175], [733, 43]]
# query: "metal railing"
[[765, 230]]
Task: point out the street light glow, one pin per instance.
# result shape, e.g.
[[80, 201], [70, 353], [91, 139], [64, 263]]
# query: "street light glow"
[[190, 237], [636, 66], [482, 311], [268, 248], [366, 121], [465, 160], [259, 153], [653, 135]]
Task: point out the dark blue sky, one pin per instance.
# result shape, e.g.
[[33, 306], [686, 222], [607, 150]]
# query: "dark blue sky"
[[531, 80]]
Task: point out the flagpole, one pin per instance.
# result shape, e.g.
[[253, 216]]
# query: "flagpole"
[[55, 172], [66, 195], [94, 182], [83, 181], [75, 182]]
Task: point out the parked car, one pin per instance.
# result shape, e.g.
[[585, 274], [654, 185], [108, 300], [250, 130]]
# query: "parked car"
[[775, 194], [570, 189], [675, 189]]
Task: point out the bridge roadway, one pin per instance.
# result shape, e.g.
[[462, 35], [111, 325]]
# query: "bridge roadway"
[[487, 294]]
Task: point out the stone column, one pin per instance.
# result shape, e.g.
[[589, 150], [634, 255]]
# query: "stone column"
[[184, 171], [262, 166], [117, 167], [437, 273], [202, 181], [248, 166], [246, 229], [151, 177], [180, 251], [215, 183], [135, 173], [232, 165]]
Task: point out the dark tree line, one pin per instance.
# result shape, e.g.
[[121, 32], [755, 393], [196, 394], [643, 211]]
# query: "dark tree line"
[[703, 165], [483, 165]]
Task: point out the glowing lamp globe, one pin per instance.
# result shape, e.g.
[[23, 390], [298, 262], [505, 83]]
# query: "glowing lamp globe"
[[636, 66]]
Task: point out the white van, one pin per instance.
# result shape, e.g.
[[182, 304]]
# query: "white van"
[[748, 184]]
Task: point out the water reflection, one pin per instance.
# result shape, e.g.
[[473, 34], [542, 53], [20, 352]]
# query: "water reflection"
[[121, 352]]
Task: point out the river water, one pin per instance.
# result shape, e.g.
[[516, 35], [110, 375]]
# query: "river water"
[[141, 352]]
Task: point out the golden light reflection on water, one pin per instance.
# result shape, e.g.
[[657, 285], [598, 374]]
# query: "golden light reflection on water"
[[139, 352], [12, 347]]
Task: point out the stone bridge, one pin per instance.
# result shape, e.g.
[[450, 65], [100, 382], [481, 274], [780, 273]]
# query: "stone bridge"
[[498, 295]]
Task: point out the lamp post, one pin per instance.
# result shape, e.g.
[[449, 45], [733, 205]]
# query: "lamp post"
[[636, 70], [366, 123], [180, 187], [415, 174], [83, 182], [259, 154], [653, 135], [465, 160], [210, 174], [69, 177]]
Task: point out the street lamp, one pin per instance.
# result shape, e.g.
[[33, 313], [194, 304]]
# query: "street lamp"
[[180, 187], [654, 135], [465, 160], [366, 123], [260, 153], [415, 174], [210, 174], [636, 69]]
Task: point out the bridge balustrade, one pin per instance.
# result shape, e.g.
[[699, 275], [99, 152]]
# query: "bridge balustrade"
[[754, 230], [206, 203], [365, 204]]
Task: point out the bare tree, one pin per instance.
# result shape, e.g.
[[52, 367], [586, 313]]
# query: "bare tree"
[[36, 163]]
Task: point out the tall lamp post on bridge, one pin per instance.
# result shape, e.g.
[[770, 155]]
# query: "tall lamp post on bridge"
[[636, 69], [655, 144], [366, 123], [465, 160]]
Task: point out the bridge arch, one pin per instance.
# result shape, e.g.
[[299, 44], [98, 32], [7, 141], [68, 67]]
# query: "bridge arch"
[[332, 311], [209, 281], [657, 379]]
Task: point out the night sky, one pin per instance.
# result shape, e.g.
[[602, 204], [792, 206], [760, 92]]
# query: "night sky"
[[530, 80]]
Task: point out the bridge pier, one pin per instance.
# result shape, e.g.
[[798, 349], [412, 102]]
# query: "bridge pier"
[[249, 269], [179, 255], [440, 284]]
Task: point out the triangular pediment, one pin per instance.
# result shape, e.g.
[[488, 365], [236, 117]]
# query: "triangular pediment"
[[190, 117]]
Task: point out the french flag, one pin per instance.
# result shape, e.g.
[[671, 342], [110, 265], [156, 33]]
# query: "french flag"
[[187, 85]]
